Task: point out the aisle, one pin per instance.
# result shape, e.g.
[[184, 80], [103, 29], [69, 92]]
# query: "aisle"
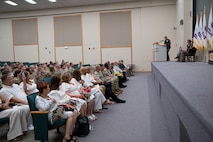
[[129, 122]]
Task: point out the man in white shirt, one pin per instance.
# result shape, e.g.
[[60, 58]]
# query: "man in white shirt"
[[17, 119], [14, 93]]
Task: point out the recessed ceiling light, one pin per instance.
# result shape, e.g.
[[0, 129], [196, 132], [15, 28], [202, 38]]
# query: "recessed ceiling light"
[[31, 1], [52, 0], [11, 3]]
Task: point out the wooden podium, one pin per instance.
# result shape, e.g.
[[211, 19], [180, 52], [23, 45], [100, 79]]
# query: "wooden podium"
[[159, 52]]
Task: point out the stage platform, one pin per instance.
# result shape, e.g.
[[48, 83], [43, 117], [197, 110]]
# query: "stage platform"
[[185, 90]]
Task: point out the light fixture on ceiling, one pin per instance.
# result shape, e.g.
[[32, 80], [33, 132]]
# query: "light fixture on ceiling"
[[52, 0], [31, 1], [11, 3]]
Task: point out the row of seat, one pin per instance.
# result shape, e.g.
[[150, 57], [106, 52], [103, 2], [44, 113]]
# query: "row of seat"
[[75, 66], [10, 63]]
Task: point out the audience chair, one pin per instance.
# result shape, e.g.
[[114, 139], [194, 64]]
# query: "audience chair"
[[4, 120], [191, 54], [47, 79], [75, 66], [40, 120], [85, 65]]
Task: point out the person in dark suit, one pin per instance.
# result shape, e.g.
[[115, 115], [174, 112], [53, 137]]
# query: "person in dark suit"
[[189, 45], [190, 51], [167, 43]]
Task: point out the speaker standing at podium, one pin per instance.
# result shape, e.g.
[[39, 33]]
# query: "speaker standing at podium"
[[167, 43]]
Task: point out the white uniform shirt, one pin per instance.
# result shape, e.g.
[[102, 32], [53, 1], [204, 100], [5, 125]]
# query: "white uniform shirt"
[[13, 91], [77, 83], [44, 104], [30, 88], [59, 95]]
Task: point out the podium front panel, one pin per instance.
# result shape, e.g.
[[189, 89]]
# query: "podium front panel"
[[159, 52]]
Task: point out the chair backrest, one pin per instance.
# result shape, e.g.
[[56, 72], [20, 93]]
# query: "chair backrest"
[[31, 101], [4, 120], [47, 79], [75, 66], [192, 51]]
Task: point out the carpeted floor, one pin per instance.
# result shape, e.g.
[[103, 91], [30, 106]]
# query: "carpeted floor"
[[140, 119]]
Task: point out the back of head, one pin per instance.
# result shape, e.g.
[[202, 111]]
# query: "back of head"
[[76, 74], [41, 86], [66, 77], [55, 83]]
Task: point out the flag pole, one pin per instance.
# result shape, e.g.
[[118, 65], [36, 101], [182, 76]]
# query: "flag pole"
[[204, 57]]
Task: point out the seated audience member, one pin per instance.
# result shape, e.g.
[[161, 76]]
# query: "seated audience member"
[[41, 72], [32, 71], [189, 45], [62, 96], [128, 68], [63, 68], [17, 119], [71, 90], [119, 73], [22, 67], [7, 67], [90, 71], [181, 55], [88, 81], [109, 94], [28, 84], [14, 93], [76, 79], [17, 76], [53, 71], [122, 66], [78, 90], [70, 67], [46, 103], [190, 51], [108, 77]]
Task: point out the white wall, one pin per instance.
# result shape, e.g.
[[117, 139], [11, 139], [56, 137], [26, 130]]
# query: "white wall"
[[91, 37], [151, 21], [46, 39], [185, 13], [156, 22]]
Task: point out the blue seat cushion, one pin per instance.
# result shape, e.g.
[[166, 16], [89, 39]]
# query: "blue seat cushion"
[[4, 120]]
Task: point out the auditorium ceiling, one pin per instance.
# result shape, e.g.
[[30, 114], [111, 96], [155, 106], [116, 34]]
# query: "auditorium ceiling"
[[45, 4]]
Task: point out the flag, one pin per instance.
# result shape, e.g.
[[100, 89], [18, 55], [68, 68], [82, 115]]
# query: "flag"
[[200, 29], [195, 37], [204, 38], [210, 29]]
